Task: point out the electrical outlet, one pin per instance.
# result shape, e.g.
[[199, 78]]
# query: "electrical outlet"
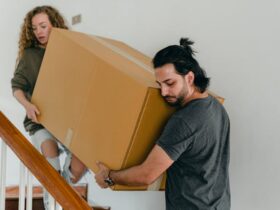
[[76, 19]]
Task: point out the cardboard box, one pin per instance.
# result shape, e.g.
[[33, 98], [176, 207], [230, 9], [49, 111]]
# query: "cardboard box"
[[100, 99]]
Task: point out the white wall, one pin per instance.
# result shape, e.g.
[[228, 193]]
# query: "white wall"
[[238, 45]]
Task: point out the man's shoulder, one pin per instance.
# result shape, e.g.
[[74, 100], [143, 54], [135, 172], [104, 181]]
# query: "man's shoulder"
[[201, 110], [194, 107]]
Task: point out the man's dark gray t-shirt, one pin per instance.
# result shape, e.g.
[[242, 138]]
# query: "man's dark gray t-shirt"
[[196, 138]]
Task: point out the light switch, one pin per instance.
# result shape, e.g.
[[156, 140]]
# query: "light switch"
[[76, 19]]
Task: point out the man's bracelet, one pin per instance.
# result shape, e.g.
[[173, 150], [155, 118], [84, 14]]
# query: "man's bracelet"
[[108, 180]]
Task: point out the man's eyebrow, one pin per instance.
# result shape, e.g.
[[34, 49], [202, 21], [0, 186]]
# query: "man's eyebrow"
[[164, 81]]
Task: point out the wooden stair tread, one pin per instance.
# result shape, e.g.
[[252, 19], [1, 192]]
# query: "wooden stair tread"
[[12, 192], [12, 195]]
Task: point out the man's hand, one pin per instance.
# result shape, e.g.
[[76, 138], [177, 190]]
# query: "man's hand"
[[101, 175]]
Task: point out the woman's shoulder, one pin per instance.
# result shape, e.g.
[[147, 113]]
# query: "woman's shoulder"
[[31, 50]]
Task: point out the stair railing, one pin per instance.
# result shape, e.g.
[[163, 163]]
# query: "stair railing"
[[61, 191]]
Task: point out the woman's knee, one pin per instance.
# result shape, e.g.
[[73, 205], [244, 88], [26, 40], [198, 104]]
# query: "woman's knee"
[[77, 168], [49, 148], [45, 142]]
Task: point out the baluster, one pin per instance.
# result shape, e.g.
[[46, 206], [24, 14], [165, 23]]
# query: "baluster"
[[51, 202], [57, 206], [3, 162], [29, 197], [22, 187]]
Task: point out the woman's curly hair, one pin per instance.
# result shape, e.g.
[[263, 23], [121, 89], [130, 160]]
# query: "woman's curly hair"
[[27, 37]]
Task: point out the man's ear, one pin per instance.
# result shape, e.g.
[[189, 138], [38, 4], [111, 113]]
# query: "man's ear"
[[189, 78]]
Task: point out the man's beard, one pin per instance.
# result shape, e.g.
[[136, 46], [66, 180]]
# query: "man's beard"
[[180, 99], [177, 103]]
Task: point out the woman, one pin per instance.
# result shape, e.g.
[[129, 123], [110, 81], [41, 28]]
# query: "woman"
[[34, 37]]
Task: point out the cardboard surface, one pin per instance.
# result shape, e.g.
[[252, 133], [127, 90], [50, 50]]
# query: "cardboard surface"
[[100, 99]]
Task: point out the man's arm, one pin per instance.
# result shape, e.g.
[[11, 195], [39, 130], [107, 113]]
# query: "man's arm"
[[144, 174]]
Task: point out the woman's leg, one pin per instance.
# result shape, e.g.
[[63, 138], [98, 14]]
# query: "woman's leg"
[[77, 169], [73, 168], [46, 143]]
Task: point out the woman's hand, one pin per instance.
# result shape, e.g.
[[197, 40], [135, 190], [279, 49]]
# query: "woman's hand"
[[32, 111]]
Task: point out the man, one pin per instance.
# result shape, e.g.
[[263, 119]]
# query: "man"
[[194, 145]]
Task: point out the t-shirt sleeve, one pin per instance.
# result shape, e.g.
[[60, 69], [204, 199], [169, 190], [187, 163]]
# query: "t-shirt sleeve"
[[175, 138], [20, 79]]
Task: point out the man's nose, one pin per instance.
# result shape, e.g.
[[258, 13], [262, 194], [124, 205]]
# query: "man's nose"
[[163, 91]]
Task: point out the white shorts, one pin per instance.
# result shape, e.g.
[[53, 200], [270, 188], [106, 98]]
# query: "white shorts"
[[41, 136]]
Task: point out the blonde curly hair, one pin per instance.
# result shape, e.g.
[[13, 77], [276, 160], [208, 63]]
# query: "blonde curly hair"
[[27, 37]]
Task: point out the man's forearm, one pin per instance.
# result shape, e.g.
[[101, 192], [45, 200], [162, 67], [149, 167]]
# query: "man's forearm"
[[144, 174], [134, 176]]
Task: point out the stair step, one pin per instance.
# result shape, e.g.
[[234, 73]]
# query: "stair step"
[[13, 191], [100, 208], [12, 196], [12, 204]]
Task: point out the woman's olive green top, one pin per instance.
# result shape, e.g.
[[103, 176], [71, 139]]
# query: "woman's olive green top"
[[25, 78]]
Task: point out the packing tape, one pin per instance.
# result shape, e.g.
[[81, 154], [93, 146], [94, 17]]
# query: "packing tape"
[[155, 186], [124, 54], [68, 137]]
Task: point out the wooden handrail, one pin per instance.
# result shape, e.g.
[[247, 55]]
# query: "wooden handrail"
[[40, 168]]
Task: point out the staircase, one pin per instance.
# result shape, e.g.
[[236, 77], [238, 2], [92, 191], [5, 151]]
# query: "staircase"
[[69, 198], [12, 197]]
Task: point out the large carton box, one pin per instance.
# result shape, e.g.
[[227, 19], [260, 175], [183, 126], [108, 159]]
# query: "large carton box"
[[100, 99]]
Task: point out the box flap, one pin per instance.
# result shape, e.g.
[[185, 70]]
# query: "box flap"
[[117, 54]]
